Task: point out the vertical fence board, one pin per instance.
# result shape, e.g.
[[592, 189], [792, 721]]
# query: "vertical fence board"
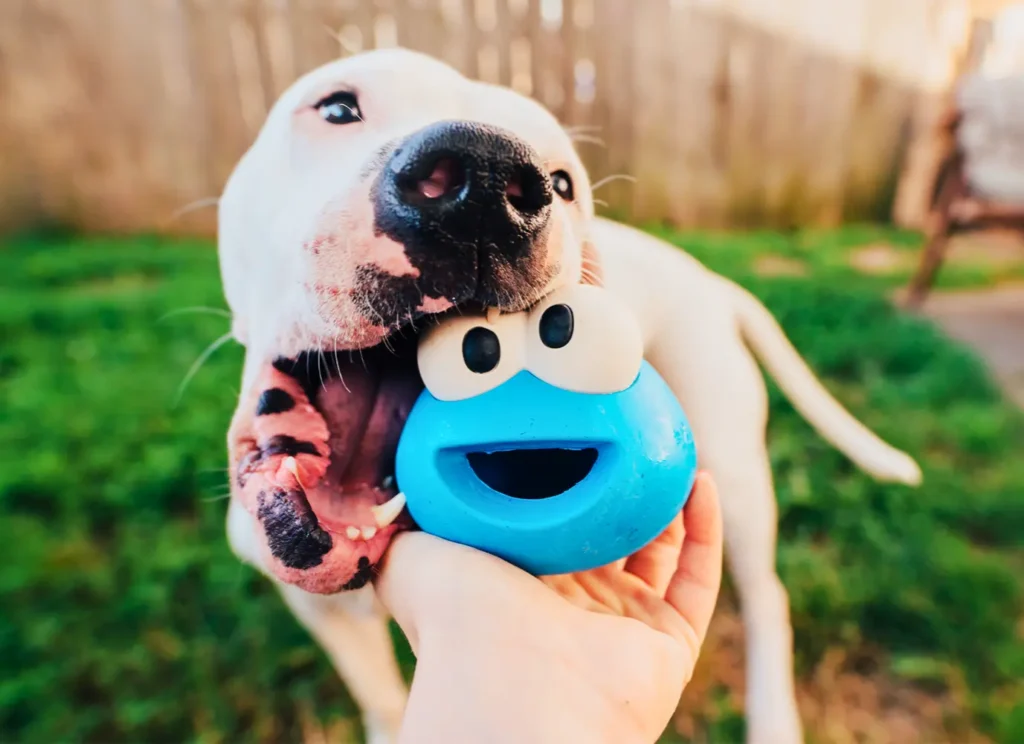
[[279, 45], [422, 27], [754, 111], [19, 187], [698, 115], [652, 89]]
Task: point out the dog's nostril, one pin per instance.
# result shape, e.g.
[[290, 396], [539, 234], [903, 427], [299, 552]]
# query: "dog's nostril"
[[527, 190], [514, 190], [445, 178]]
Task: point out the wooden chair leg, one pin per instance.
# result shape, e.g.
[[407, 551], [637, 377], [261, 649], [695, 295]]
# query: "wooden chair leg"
[[931, 260], [950, 186]]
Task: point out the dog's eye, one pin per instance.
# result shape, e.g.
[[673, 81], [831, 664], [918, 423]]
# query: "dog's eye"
[[481, 350], [556, 326], [561, 182], [584, 339], [340, 108], [466, 356]]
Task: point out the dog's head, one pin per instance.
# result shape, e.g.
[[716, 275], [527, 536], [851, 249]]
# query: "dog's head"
[[386, 188]]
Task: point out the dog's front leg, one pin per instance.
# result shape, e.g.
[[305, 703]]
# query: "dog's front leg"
[[353, 631]]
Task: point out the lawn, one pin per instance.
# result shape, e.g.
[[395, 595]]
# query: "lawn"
[[125, 617]]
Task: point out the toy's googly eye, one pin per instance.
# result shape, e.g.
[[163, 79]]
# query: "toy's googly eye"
[[583, 338], [481, 350], [556, 326], [466, 356]]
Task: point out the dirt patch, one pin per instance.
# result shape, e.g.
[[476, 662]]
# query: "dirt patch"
[[773, 265], [999, 249], [840, 703], [335, 731], [991, 322], [881, 259]]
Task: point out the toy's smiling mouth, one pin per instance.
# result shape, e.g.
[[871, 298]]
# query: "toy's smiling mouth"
[[532, 473]]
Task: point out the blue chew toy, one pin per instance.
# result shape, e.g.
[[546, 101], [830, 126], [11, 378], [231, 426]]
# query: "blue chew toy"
[[544, 438]]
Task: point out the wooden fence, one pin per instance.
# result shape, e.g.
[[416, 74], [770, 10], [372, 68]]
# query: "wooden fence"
[[114, 114]]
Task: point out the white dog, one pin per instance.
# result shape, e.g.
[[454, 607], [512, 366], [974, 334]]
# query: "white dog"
[[386, 188]]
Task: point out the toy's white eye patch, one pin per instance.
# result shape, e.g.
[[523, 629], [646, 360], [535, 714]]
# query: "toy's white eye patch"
[[583, 338], [469, 355]]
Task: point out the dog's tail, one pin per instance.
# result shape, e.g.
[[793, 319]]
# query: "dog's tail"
[[768, 341]]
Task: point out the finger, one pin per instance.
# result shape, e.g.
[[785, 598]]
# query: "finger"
[[693, 590], [656, 562], [424, 580]]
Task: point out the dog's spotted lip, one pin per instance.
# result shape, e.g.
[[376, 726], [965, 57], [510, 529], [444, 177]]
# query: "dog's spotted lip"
[[363, 398]]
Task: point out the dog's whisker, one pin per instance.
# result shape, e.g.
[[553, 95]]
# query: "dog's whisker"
[[600, 202], [210, 201], [217, 497], [337, 364], [321, 364], [198, 363], [341, 377], [195, 309], [412, 319], [318, 352], [588, 139], [345, 45], [305, 344], [614, 177]]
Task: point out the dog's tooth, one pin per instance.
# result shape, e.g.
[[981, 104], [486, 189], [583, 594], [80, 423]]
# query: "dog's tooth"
[[388, 512], [369, 532], [291, 466], [388, 481], [352, 533], [493, 314]]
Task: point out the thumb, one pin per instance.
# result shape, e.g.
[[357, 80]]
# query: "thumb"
[[425, 581], [406, 577]]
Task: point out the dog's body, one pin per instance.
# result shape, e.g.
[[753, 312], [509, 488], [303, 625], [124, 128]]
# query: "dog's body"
[[699, 328]]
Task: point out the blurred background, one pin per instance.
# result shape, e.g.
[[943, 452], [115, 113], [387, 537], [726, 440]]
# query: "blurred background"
[[859, 164]]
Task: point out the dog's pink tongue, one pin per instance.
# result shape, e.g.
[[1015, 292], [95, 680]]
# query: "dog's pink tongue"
[[365, 409]]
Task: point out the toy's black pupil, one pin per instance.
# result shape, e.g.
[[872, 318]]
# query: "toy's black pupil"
[[481, 350], [556, 326]]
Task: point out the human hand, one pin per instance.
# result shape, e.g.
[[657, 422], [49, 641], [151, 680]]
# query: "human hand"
[[596, 656]]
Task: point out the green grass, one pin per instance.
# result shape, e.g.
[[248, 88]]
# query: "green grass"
[[125, 617]]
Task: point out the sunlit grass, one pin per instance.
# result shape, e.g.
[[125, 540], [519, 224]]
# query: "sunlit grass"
[[125, 618]]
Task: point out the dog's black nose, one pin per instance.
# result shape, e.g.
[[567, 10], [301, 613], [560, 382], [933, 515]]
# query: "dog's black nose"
[[464, 195]]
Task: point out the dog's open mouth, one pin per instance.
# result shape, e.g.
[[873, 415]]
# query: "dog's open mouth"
[[346, 517], [539, 473]]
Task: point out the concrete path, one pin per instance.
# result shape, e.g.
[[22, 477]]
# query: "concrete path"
[[990, 321]]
